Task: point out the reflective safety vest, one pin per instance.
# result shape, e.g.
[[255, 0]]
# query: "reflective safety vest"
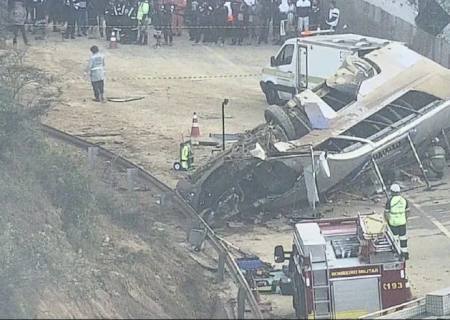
[[397, 213], [143, 10], [185, 153]]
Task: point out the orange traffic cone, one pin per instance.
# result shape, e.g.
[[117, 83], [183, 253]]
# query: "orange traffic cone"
[[113, 41], [195, 130], [306, 33]]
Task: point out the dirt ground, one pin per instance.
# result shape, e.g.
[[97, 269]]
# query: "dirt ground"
[[149, 131]]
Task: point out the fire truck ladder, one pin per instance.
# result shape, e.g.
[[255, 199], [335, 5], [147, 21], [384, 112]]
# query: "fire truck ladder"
[[321, 291]]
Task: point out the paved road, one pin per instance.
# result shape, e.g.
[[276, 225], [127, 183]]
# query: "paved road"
[[429, 239]]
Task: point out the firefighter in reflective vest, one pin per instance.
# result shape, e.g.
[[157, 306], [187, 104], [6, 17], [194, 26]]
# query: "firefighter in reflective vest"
[[396, 216], [434, 161], [186, 155]]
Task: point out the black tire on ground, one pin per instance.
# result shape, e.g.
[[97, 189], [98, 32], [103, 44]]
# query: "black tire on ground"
[[276, 115], [272, 95], [177, 166]]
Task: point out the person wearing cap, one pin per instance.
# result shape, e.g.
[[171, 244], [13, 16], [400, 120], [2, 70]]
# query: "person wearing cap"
[[396, 215], [186, 155]]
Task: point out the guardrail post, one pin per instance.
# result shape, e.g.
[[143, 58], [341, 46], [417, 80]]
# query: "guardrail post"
[[92, 156], [131, 175], [241, 303], [221, 267], [161, 200]]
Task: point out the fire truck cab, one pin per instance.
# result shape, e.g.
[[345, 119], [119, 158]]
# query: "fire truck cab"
[[345, 268]]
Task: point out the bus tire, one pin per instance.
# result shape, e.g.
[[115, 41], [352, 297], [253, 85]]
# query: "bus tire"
[[276, 115]]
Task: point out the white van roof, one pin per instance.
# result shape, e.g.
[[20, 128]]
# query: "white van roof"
[[353, 42]]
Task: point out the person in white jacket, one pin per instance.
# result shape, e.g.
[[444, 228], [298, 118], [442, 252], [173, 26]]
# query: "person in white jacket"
[[96, 69]]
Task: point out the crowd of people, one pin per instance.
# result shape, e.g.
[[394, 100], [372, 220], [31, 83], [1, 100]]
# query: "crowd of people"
[[207, 21]]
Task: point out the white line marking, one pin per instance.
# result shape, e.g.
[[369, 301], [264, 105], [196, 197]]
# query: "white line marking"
[[439, 225]]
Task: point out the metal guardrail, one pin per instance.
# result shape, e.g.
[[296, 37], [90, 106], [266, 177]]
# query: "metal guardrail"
[[245, 293], [385, 312]]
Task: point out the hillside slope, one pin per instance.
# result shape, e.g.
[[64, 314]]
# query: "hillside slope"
[[71, 246]]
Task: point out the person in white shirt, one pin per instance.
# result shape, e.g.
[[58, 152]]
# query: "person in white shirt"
[[333, 16], [96, 69], [303, 12]]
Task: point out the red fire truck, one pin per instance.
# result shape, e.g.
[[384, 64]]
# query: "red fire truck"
[[344, 268]]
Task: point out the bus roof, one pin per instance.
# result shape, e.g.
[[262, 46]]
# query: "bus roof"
[[349, 41]]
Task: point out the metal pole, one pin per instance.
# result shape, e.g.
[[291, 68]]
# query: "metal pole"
[[313, 168], [131, 173], [224, 103], [241, 303], [92, 155], [380, 177], [413, 148], [223, 125]]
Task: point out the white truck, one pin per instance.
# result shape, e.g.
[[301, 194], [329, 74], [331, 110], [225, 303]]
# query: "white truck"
[[302, 63]]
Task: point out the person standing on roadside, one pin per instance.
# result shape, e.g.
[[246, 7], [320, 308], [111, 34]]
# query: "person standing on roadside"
[[178, 16], [18, 16], [166, 21], [96, 69], [143, 18], [82, 17], [276, 20], [55, 11], [315, 18], [99, 7], [220, 23], [30, 8], [70, 17], [303, 12], [263, 16]]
